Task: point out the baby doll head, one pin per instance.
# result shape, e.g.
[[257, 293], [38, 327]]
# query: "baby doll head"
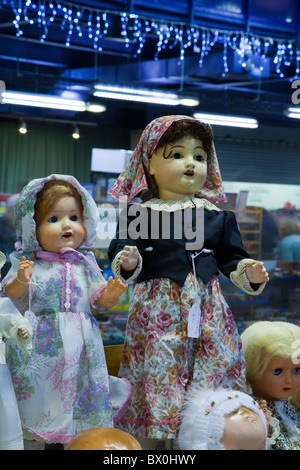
[[58, 214], [48, 197], [40, 196], [135, 180], [271, 351], [103, 439], [221, 420]]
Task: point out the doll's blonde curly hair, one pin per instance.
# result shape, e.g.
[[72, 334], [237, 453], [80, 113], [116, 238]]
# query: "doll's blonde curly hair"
[[265, 339]]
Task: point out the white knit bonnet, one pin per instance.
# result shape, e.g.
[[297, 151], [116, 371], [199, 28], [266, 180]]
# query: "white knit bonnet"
[[203, 416]]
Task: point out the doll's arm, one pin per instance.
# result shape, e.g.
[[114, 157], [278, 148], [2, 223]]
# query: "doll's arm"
[[111, 294], [20, 284], [255, 270]]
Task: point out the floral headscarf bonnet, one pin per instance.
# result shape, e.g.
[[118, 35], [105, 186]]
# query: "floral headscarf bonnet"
[[24, 211], [132, 180]]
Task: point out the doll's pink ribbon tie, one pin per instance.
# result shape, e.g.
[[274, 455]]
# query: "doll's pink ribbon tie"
[[67, 254]]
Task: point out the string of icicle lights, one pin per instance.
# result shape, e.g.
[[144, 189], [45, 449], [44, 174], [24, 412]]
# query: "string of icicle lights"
[[95, 24]]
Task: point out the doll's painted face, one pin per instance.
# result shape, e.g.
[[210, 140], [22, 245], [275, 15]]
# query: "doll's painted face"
[[244, 430], [179, 169], [62, 227], [280, 380]]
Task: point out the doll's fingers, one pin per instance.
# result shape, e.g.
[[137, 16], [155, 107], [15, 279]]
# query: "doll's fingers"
[[120, 282], [130, 249], [23, 333]]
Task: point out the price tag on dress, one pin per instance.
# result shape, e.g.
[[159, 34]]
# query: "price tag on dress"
[[194, 321]]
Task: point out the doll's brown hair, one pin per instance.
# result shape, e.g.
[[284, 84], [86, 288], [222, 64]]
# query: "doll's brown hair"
[[188, 128], [51, 193], [178, 130]]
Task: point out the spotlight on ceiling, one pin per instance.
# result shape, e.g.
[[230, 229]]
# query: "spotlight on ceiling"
[[95, 108], [23, 128], [76, 133], [224, 120]]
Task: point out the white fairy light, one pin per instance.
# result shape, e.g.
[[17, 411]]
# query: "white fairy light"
[[135, 29]]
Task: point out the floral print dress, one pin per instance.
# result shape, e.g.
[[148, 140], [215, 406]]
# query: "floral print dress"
[[284, 429], [62, 387], [160, 360]]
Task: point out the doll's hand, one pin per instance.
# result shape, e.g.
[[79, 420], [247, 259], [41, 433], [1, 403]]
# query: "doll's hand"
[[23, 333], [110, 296], [256, 273], [25, 270], [115, 287], [129, 258], [19, 286], [264, 408]]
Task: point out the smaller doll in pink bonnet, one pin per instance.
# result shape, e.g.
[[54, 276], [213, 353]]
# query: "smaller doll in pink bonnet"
[[63, 386]]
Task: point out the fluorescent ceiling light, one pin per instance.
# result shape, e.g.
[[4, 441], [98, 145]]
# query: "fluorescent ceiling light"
[[223, 120], [142, 96], [42, 101], [293, 115], [293, 112], [189, 102]]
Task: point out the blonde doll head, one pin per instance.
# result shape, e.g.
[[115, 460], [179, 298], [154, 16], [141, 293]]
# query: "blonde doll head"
[[263, 341]]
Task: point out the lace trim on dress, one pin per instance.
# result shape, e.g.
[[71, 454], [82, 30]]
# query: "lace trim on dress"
[[186, 202], [289, 420], [116, 268], [239, 278]]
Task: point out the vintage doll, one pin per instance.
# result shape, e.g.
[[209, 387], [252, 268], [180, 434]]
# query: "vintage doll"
[[176, 166], [221, 420], [63, 387], [15, 327], [272, 356]]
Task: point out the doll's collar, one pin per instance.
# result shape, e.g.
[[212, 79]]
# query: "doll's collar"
[[184, 203], [64, 254]]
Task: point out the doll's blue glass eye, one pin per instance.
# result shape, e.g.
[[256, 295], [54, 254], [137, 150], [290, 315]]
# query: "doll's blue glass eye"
[[74, 218], [53, 219], [297, 370], [176, 155], [199, 158], [277, 371]]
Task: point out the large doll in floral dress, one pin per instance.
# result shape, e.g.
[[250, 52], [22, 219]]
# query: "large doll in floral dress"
[[170, 342], [63, 387]]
